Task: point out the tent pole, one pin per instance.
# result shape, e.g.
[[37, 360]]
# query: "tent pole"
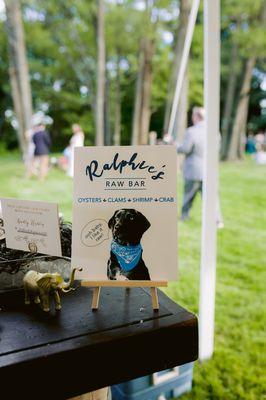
[[210, 179]]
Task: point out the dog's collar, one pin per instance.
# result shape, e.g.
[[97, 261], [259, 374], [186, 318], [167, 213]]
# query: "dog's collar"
[[127, 256]]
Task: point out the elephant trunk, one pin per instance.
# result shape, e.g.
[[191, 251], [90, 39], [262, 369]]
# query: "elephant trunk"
[[68, 286]]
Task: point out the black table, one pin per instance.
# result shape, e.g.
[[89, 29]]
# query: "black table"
[[60, 355]]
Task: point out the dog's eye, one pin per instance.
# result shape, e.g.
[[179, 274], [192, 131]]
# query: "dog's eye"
[[131, 218]]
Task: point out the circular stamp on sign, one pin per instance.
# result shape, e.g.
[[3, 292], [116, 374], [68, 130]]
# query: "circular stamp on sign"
[[32, 247]]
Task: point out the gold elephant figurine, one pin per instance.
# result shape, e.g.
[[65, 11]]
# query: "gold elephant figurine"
[[42, 285]]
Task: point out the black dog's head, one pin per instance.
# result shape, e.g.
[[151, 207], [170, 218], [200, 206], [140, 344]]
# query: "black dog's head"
[[128, 226]]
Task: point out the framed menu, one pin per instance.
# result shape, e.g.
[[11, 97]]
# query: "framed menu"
[[125, 213]]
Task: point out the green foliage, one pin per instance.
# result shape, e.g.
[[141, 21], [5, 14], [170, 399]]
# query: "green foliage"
[[7, 133], [242, 30], [196, 66], [61, 49], [257, 118]]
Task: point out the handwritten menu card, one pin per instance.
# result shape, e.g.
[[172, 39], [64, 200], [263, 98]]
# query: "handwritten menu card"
[[31, 226]]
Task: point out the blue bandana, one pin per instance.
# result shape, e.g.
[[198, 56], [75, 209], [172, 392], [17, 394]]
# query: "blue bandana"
[[127, 256]]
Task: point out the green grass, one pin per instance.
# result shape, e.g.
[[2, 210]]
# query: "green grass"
[[57, 188], [237, 369]]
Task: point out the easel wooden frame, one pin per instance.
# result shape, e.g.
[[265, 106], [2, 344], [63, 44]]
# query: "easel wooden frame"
[[96, 285]]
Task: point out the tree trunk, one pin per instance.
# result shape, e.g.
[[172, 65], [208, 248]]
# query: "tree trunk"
[[107, 128], [146, 92], [229, 100], [117, 131], [100, 75], [238, 132], [16, 97], [185, 8], [138, 98], [142, 110], [18, 71]]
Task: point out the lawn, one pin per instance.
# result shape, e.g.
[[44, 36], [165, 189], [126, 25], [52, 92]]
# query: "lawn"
[[237, 369]]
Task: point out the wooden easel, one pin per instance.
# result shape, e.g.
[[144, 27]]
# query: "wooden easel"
[[96, 285]]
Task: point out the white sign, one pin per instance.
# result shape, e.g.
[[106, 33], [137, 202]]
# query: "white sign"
[[125, 213], [31, 226]]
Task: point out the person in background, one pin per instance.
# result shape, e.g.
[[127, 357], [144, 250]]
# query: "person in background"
[[251, 144], [63, 160], [77, 140], [260, 156], [193, 148], [152, 138], [41, 140], [260, 138]]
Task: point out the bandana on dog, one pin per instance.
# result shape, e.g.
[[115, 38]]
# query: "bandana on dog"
[[127, 256]]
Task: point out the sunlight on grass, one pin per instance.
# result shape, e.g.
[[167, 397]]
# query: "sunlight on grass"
[[237, 370]]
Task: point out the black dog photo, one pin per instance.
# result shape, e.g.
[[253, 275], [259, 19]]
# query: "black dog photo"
[[125, 262]]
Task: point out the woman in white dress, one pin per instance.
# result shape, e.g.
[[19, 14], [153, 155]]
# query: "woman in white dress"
[[77, 140]]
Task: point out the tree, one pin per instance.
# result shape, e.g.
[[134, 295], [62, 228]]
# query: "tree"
[[142, 110], [248, 21], [238, 133], [142, 104], [18, 71], [117, 128], [229, 99], [100, 96], [116, 49], [62, 54], [63, 64]]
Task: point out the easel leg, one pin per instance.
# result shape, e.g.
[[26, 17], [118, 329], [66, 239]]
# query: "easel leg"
[[95, 298], [154, 299]]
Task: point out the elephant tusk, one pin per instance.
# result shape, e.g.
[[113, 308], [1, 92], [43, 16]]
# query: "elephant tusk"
[[70, 289]]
